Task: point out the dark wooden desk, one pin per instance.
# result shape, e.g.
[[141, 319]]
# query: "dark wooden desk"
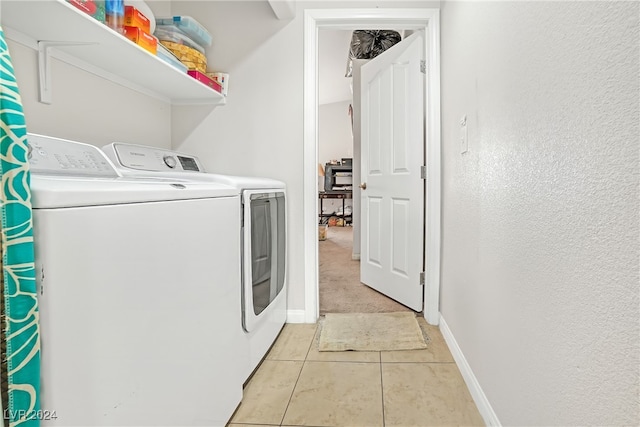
[[344, 195]]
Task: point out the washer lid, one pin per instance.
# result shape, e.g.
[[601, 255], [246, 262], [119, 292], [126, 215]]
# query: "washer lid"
[[64, 192]]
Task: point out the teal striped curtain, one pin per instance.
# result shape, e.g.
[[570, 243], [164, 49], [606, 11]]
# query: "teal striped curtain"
[[20, 324]]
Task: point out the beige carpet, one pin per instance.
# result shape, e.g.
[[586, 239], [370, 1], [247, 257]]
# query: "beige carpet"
[[371, 332], [340, 287]]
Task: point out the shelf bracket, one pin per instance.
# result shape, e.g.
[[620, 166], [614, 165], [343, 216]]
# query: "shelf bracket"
[[44, 66]]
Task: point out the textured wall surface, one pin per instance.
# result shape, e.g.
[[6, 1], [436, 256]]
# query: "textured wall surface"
[[540, 263]]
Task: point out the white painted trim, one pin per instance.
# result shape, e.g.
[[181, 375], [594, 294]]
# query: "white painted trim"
[[310, 177], [296, 316], [483, 404], [433, 152], [381, 18]]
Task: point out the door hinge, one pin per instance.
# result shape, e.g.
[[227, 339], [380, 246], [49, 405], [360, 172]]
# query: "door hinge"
[[423, 172], [422, 278], [423, 66]]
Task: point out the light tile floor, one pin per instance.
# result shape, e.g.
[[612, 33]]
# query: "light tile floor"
[[296, 385]]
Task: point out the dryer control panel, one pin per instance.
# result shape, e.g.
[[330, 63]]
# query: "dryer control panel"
[[55, 156], [145, 158]]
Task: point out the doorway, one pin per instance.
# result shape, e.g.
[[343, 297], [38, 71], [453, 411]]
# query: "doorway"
[[347, 19], [340, 287]]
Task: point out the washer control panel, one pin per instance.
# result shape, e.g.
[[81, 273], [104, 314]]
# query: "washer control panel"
[[56, 156], [145, 158]]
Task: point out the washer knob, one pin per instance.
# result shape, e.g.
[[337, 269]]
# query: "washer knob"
[[170, 161]]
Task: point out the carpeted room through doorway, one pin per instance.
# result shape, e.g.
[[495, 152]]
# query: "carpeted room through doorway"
[[340, 287]]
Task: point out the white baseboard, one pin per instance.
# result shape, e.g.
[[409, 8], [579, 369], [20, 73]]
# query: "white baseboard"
[[489, 416], [296, 316]]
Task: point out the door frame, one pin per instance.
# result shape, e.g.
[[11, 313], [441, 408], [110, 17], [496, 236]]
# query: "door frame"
[[348, 19]]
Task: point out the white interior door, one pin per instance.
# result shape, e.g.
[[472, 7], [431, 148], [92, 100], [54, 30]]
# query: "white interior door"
[[392, 153]]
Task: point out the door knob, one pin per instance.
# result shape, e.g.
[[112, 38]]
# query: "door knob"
[[363, 186]]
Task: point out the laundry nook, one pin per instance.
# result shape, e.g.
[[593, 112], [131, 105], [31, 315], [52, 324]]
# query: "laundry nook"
[[227, 213]]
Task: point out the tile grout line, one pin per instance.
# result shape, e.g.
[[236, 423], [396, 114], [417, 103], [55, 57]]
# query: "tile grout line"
[[358, 362], [254, 424], [313, 338], [298, 378], [382, 390], [284, 414], [418, 363]]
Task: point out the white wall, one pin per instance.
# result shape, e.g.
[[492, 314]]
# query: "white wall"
[[540, 272], [334, 132], [259, 132], [334, 141], [86, 107]]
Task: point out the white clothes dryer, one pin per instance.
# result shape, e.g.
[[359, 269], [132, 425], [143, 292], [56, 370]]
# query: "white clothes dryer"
[[136, 289], [262, 233]]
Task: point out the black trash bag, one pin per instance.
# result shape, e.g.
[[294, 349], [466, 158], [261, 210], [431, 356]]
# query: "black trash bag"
[[367, 44]]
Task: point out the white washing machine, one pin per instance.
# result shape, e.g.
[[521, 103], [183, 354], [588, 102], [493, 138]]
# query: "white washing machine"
[[137, 286], [263, 236]]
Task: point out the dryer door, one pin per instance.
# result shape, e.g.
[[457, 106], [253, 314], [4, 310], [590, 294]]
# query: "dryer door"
[[263, 254]]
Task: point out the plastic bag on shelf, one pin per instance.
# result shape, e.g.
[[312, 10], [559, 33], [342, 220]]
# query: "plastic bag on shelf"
[[367, 44], [190, 27]]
